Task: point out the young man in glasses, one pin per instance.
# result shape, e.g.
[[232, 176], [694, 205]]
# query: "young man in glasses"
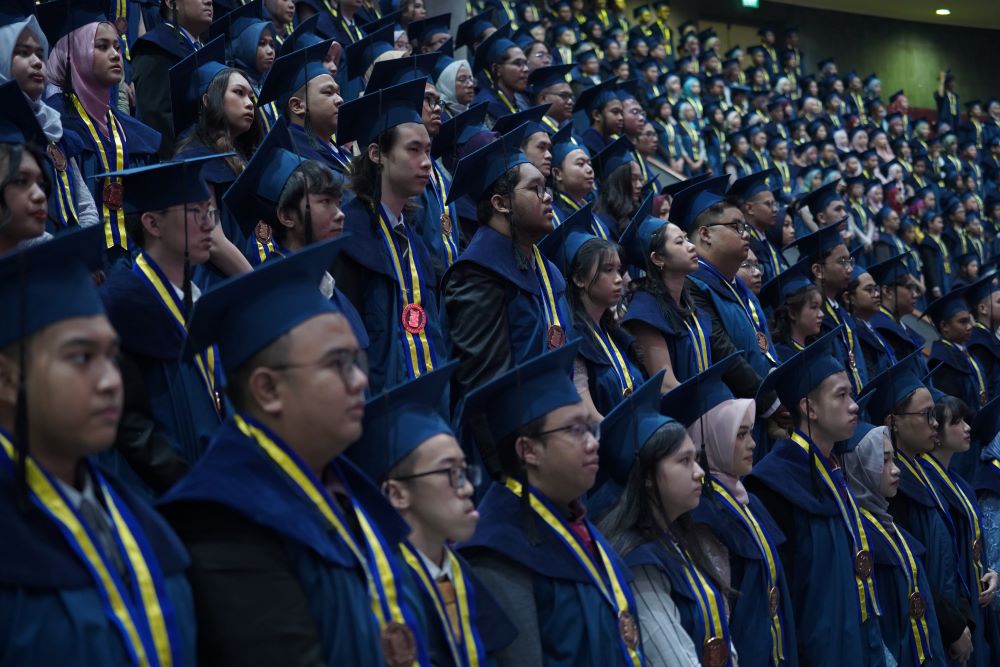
[[410, 450], [172, 407], [548, 85], [759, 209], [273, 515]]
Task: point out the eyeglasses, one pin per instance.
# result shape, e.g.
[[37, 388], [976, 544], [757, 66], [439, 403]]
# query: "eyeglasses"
[[927, 414], [739, 227], [432, 101], [539, 190], [520, 63], [344, 362], [871, 289], [208, 215], [577, 430], [457, 475], [751, 266], [636, 111], [464, 80], [565, 96], [846, 262]]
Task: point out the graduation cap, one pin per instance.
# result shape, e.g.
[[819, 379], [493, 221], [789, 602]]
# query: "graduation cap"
[[674, 188], [248, 312], [890, 271], [478, 170], [693, 398], [629, 426], [233, 23], [362, 54], [304, 35], [15, 11], [421, 31], [586, 54], [49, 282], [690, 202], [492, 49], [457, 130], [635, 240], [775, 291], [156, 187], [892, 386], [637, 12], [981, 290], [393, 72], [564, 143], [594, 98], [616, 154], [469, 31], [543, 77], [986, 422], [817, 200], [746, 188], [947, 306], [292, 72], [523, 36], [966, 258], [254, 194], [189, 81], [18, 123], [58, 18], [401, 419], [366, 118], [532, 117], [804, 371], [813, 246], [390, 19], [497, 409], [561, 244]]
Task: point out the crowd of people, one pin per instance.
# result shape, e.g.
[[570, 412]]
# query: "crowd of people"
[[323, 345]]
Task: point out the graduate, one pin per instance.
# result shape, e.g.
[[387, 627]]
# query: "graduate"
[[956, 371], [601, 116], [671, 334], [169, 401], [547, 565], [796, 305], [304, 539], [983, 297], [447, 148], [505, 302], [758, 205], [537, 142], [83, 558], [504, 67], [809, 500], [386, 270], [409, 449], [548, 85], [572, 175], [620, 191], [604, 371], [898, 296], [862, 300]]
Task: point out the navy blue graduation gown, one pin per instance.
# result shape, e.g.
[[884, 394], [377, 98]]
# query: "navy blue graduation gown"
[[427, 221], [844, 341], [51, 613], [576, 625], [770, 258], [877, 352], [652, 311], [902, 339], [238, 475], [985, 347], [954, 375], [602, 376], [594, 141], [829, 633], [310, 148], [495, 108], [749, 622], [63, 198]]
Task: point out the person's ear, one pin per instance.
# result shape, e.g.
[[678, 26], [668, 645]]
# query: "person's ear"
[[500, 204], [265, 390], [527, 450], [151, 225], [374, 153], [287, 219], [817, 271], [653, 256], [397, 494], [297, 107]]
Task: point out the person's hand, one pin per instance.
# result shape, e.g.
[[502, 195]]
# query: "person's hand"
[[783, 418], [991, 581], [961, 649]]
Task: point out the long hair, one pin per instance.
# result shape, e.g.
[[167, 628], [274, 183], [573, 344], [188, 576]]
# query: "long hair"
[[586, 267], [615, 197], [11, 156], [652, 283], [310, 177], [366, 175], [636, 518], [792, 305]]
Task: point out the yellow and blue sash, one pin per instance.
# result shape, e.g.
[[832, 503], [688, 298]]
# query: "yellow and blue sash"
[[421, 356], [141, 611], [466, 650], [207, 362], [760, 537], [615, 356], [699, 344], [743, 298], [503, 98], [596, 226], [381, 570], [775, 261], [549, 302], [605, 576], [65, 191], [852, 369], [919, 632], [114, 221], [977, 370], [709, 604], [441, 196], [867, 600]]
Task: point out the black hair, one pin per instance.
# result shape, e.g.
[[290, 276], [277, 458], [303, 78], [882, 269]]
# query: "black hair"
[[615, 197], [652, 283], [712, 214], [237, 381], [633, 520], [503, 186], [792, 305], [586, 267], [950, 410], [366, 175], [11, 156], [310, 177]]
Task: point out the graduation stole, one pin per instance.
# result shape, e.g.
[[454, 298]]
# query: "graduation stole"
[[918, 473], [353, 31], [977, 370], [141, 610], [604, 575], [699, 343], [65, 189], [762, 158], [555, 332], [206, 362], [743, 298], [693, 136], [466, 649], [448, 215], [502, 96], [881, 341], [969, 509], [859, 104], [596, 227], [760, 537], [121, 20], [420, 357], [917, 603], [831, 310], [375, 556], [551, 124], [944, 252], [786, 176], [775, 260], [112, 196], [265, 250], [613, 354], [952, 103], [867, 602]]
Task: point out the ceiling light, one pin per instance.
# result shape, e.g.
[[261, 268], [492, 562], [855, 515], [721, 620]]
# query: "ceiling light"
[[942, 12]]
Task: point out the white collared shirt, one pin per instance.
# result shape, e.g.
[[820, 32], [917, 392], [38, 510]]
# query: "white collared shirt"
[[435, 571]]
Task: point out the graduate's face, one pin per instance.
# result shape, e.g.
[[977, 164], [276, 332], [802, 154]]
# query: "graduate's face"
[[634, 117], [430, 113], [265, 51], [465, 85], [108, 69], [563, 463], [281, 11], [532, 213], [836, 269], [512, 69], [25, 197], [560, 96], [611, 118], [648, 141], [914, 433], [831, 408], [956, 435], [889, 481], [429, 503], [678, 254], [744, 446], [407, 165], [750, 273], [74, 388], [761, 209], [958, 327], [326, 215], [184, 227], [788, 230], [538, 149], [679, 480], [575, 175], [808, 321], [322, 103], [538, 56], [195, 15], [27, 64], [237, 104], [866, 297], [602, 282]]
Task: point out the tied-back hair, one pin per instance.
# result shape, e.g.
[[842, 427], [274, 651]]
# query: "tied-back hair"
[[652, 283], [11, 156], [212, 129], [633, 521], [588, 260], [615, 197], [505, 187], [310, 177], [366, 175], [792, 305]]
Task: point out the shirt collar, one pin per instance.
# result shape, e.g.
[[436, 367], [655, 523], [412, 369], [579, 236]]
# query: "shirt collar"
[[432, 568]]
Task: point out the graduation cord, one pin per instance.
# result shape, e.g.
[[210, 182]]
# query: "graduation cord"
[[21, 412]]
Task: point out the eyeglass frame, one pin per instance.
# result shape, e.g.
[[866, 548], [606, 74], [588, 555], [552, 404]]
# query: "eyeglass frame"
[[358, 360], [539, 191], [927, 414], [593, 429], [458, 475], [741, 228]]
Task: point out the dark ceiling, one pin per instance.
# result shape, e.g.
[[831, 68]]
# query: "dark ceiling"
[[968, 13]]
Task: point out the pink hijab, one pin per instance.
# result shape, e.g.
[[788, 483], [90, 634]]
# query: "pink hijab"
[[717, 430], [78, 47]]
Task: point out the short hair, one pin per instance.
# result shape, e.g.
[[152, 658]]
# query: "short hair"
[[712, 214], [274, 354], [503, 186]]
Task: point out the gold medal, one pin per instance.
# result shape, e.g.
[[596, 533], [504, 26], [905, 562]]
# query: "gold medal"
[[628, 630], [263, 232], [772, 600], [862, 564], [112, 195], [555, 336], [399, 648], [446, 222], [982, 398], [121, 24], [56, 155], [918, 606], [851, 360], [414, 318], [762, 342], [715, 653]]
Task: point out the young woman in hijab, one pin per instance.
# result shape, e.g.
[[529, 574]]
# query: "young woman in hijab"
[[84, 67], [457, 87], [24, 50], [909, 622]]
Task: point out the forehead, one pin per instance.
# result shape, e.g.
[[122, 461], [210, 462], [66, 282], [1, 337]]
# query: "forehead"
[[322, 333]]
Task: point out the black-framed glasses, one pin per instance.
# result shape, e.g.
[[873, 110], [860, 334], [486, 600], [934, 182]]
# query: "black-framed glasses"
[[565, 96], [432, 101], [539, 190], [739, 227], [344, 362], [457, 475], [577, 430], [927, 414]]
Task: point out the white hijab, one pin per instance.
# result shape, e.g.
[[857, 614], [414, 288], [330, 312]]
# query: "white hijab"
[[47, 117]]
